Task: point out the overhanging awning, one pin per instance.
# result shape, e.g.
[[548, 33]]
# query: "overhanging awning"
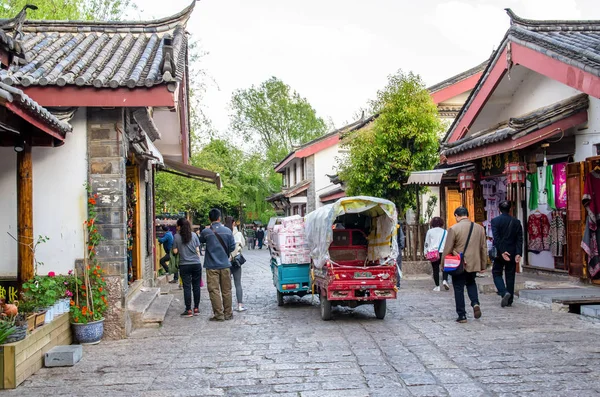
[[431, 177], [189, 171]]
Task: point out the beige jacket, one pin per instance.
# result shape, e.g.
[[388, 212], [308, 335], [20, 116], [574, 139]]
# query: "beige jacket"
[[476, 255]]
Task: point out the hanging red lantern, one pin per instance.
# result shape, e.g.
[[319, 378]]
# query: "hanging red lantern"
[[466, 180], [515, 172]]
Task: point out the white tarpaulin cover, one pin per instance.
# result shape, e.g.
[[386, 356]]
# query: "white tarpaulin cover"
[[383, 244]]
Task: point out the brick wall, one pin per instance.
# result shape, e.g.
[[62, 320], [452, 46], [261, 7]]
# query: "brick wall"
[[107, 150], [310, 175]]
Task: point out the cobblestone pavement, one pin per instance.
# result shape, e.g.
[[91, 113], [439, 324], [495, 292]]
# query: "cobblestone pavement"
[[418, 350]]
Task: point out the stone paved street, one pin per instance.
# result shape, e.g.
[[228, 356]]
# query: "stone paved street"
[[418, 350]]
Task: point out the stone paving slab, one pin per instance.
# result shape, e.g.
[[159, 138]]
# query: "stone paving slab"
[[418, 350]]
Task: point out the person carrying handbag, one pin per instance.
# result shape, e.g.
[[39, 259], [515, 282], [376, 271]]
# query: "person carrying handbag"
[[236, 267], [219, 244], [467, 241], [434, 246]]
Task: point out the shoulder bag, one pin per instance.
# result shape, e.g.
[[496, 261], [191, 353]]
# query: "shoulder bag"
[[455, 264], [238, 260], [434, 255]]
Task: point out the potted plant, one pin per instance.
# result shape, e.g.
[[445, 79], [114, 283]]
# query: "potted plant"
[[43, 291], [89, 302]]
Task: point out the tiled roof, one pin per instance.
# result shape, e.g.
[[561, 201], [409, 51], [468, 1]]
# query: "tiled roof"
[[520, 126], [459, 77], [102, 54], [21, 100], [574, 42]]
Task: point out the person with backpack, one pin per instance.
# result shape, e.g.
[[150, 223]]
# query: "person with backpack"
[[434, 246], [219, 246], [466, 240]]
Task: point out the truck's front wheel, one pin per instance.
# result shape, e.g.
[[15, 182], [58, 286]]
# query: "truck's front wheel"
[[325, 307], [380, 309]]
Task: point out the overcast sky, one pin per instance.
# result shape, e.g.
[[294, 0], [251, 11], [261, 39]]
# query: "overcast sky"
[[338, 53]]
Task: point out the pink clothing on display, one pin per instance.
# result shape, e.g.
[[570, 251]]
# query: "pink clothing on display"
[[559, 171], [538, 228]]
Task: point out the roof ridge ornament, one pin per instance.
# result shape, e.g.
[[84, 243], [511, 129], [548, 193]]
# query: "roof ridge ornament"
[[15, 24]]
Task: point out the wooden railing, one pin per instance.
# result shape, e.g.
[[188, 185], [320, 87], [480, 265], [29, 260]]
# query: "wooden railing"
[[415, 240]]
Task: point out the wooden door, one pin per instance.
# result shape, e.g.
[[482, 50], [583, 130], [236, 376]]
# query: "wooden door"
[[453, 201], [575, 220]]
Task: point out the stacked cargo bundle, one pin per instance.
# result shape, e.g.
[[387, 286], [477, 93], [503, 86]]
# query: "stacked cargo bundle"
[[288, 240]]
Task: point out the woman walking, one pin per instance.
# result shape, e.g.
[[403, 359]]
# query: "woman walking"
[[236, 271], [434, 246], [187, 245]]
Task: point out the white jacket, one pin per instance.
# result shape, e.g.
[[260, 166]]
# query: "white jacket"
[[433, 238], [240, 242]]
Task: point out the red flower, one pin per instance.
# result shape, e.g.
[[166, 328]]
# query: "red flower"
[[51, 274]]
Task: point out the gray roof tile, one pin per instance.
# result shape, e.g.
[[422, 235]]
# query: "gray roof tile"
[[101, 54]]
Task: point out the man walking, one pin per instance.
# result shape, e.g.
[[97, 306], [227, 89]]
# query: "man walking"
[[260, 236], [250, 236], [167, 241], [508, 240], [219, 245], [469, 234]]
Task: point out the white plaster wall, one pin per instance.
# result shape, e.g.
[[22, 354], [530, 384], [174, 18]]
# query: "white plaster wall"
[[8, 212], [586, 139], [326, 163], [433, 191], [457, 100], [59, 199], [533, 92]]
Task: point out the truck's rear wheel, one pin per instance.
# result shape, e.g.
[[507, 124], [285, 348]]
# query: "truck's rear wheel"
[[279, 298], [380, 309], [325, 308]]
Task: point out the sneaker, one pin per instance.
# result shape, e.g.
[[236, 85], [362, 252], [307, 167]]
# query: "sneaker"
[[437, 289], [446, 286], [476, 311], [216, 319], [196, 311], [242, 309], [461, 320], [505, 299], [187, 313]]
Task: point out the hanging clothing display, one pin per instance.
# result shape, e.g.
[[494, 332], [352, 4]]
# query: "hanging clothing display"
[[591, 203], [549, 188], [533, 194], [488, 188], [558, 235], [559, 172], [542, 195], [538, 229], [501, 187]]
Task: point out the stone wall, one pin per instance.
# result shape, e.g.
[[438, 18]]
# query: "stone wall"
[[310, 175], [107, 151]]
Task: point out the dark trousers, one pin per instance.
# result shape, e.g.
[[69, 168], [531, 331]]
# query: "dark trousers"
[[260, 243], [191, 276], [436, 272], [509, 268], [250, 242], [398, 269], [459, 282], [164, 260]]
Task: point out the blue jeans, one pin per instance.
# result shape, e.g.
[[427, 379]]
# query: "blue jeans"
[[509, 268], [459, 282], [191, 276]]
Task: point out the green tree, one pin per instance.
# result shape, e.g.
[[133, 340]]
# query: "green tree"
[[403, 138], [68, 9], [274, 116]]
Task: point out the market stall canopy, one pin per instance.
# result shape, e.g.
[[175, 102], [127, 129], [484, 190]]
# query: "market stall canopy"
[[189, 171], [431, 177]]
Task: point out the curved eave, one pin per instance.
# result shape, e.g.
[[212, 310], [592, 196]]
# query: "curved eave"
[[153, 26]]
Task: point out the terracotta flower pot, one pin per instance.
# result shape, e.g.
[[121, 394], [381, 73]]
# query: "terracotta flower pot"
[[31, 322], [40, 318], [90, 333]]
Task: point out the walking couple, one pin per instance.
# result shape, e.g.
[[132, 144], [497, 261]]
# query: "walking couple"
[[468, 240], [220, 246]]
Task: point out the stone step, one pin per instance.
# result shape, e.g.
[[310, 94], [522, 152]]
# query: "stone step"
[[157, 311], [140, 303], [590, 311]]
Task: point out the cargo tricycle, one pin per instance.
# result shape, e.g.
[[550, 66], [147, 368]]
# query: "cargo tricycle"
[[353, 250], [290, 260]]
